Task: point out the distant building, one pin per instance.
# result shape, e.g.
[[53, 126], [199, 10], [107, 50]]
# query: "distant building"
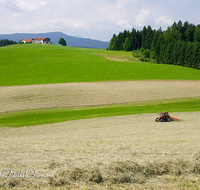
[[41, 40], [26, 41]]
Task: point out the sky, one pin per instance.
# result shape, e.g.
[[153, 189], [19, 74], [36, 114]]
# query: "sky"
[[94, 19]]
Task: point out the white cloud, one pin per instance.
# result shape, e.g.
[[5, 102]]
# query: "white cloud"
[[78, 25], [143, 16], [93, 19], [164, 19], [154, 16], [16, 15], [123, 24], [23, 5], [42, 3]]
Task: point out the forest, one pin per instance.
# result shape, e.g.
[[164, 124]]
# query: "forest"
[[6, 42], [178, 45]]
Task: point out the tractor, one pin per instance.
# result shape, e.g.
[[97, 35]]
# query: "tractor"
[[164, 117]]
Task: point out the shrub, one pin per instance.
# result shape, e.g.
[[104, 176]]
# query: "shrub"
[[146, 53], [142, 49]]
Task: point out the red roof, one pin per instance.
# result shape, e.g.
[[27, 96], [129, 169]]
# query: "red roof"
[[27, 40], [39, 39]]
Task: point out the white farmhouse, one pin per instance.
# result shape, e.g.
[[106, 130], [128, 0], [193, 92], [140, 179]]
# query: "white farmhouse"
[[26, 41], [41, 40]]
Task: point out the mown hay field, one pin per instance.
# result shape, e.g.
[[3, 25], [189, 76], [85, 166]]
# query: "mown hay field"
[[120, 152], [16, 98]]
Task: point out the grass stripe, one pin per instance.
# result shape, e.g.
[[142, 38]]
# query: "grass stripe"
[[46, 116]]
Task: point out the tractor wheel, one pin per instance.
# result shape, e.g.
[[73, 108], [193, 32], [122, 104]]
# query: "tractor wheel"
[[162, 120], [157, 120], [168, 119]]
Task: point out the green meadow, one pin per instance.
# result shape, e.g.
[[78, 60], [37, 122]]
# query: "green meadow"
[[28, 64], [46, 116]]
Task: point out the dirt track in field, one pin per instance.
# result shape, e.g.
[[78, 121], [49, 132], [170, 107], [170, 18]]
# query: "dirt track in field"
[[95, 93]]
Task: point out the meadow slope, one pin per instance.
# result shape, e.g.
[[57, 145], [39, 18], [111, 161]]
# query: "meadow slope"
[[30, 64]]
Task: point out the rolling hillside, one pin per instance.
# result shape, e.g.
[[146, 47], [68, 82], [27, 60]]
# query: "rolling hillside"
[[89, 77], [28, 64]]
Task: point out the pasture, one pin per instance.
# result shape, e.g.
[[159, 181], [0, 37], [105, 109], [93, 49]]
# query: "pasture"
[[87, 118], [29, 64]]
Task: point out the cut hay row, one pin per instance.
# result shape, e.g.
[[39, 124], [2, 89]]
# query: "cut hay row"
[[93, 94], [122, 174]]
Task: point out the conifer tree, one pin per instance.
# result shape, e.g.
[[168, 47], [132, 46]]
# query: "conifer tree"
[[144, 37], [197, 34], [127, 44]]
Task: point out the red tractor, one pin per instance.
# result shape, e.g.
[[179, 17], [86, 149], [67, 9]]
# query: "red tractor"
[[164, 117]]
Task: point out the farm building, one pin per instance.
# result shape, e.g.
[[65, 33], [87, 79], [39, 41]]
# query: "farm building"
[[41, 40], [26, 41]]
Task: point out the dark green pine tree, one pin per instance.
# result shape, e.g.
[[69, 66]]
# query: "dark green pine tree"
[[168, 53], [197, 34], [125, 35], [159, 48], [112, 43], [119, 42], [138, 39], [198, 56], [188, 54], [193, 56], [183, 29], [189, 33], [175, 53], [155, 39], [144, 37], [182, 50], [149, 37], [171, 34], [133, 39], [127, 44], [179, 26]]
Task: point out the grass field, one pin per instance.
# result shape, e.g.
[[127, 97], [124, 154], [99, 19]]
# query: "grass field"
[[87, 117], [29, 64]]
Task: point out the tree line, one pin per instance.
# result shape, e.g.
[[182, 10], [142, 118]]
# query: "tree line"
[[6, 42], [178, 45]]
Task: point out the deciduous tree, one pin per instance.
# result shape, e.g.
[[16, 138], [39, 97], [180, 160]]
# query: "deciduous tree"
[[62, 42]]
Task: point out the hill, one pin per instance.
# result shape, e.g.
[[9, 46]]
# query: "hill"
[[55, 36], [26, 64]]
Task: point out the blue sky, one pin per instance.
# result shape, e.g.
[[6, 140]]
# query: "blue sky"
[[91, 18]]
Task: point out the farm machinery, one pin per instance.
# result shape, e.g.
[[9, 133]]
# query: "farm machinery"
[[165, 117]]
